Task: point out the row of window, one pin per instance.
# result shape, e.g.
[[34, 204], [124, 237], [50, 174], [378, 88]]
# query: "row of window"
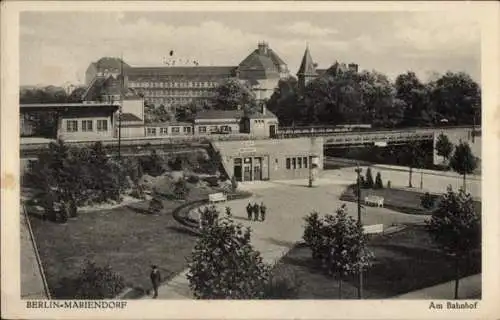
[[86, 125], [151, 131], [172, 84], [258, 121], [169, 100], [296, 163], [174, 93]]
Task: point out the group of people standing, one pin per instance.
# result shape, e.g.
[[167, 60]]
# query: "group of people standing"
[[254, 210]]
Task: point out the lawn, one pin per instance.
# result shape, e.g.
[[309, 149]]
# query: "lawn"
[[402, 200], [404, 262], [126, 238]]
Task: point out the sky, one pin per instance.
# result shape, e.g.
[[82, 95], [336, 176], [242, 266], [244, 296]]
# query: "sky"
[[57, 47]]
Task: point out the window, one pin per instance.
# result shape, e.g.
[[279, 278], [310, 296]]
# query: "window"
[[175, 130], [304, 159], [86, 125], [213, 128], [202, 129], [102, 125], [151, 131], [288, 163], [294, 163], [163, 131], [299, 163], [187, 129], [71, 125]]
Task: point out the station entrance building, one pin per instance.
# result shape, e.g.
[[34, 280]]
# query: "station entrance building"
[[252, 160]]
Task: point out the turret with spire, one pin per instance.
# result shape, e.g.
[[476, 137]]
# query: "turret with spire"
[[307, 70]]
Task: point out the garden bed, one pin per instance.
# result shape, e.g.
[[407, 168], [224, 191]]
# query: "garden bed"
[[401, 200], [404, 261]]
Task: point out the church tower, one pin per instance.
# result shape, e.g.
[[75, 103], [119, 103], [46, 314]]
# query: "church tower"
[[307, 70]]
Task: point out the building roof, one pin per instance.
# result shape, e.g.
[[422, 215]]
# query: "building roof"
[[231, 114], [307, 66], [130, 117], [111, 63], [186, 72], [168, 124], [65, 106], [219, 114]]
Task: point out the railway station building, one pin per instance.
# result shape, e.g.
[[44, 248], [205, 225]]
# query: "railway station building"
[[254, 160]]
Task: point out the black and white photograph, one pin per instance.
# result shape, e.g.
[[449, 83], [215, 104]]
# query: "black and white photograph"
[[266, 155]]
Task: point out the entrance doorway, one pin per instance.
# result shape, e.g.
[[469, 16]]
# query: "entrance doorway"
[[272, 130], [237, 169]]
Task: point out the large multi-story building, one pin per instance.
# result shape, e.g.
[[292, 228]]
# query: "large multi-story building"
[[179, 85]]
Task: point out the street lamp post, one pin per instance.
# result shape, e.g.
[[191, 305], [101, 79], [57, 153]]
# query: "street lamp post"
[[358, 170]]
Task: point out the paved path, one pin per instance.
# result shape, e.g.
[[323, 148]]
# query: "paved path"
[[31, 279], [468, 288], [288, 202]]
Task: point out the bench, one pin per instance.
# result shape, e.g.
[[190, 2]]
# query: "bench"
[[374, 200], [217, 197]]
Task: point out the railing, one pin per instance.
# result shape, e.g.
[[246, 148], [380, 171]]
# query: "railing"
[[37, 255]]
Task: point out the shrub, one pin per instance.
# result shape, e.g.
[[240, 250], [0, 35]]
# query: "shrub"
[[378, 181], [427, 201], [181, 189], [95, 282], [224, 264], [388, 184], [282, 284], [369, 179], [312, 235], [193, 179], [155, 206], [362, 183], [212, 181]]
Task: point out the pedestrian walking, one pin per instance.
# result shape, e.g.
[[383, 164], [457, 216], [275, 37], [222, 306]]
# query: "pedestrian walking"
[[155, 280], [249, 211], [256, 212], [262, 211]]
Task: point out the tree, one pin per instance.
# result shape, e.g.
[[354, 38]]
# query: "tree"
[[339, 243], [455, 97], [369, 179], [378, 181], [232, 95], [456, 227], [463, 161], [414, 96], [73, 176], [444, 147], [224, 264]]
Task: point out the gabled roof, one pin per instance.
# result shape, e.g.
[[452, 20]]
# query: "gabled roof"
[[111, 63], [307, 67], [219, 114], [130, 117]]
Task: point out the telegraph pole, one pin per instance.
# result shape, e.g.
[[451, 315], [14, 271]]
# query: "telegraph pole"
[[358, 170]]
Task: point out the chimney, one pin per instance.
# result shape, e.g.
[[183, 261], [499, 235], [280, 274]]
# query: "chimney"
[[353, 67], [263, 109], [262, 48]]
